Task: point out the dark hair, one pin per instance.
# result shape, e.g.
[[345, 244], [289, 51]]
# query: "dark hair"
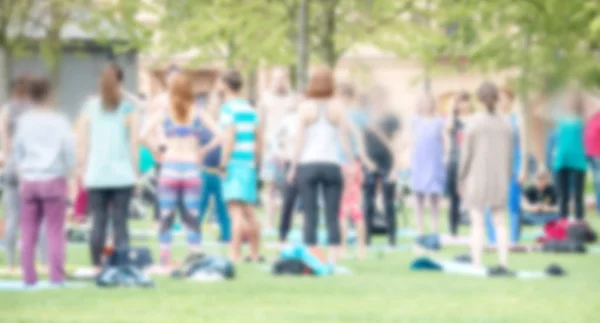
[[346, 90], [463, 96], [579, 103], [20, 86], [233, 79], [321, 85], [39, 89], [488, 95], [110, 93], [118, 71]]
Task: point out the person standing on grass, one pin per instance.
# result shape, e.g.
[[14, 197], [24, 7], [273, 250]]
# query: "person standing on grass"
[[44, 155], [272, 107], [180, 124], [570, 162], [241, 149], [283, 141], [212, 184], [519, 164], [427, 166], [352, 171], [108, 147], [382, 140], [454, 134], [316, 164], [484, 175]]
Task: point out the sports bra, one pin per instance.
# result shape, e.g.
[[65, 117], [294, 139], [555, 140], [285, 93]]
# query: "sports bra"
[[175, 130]]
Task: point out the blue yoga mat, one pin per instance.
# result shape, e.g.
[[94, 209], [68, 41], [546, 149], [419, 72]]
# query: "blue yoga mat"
[[457, 268], [17, 285]]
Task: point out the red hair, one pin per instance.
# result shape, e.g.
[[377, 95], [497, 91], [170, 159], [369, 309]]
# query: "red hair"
[[321, 85], [182, 97]]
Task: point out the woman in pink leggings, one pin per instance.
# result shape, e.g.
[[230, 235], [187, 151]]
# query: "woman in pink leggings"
[[44, 153]]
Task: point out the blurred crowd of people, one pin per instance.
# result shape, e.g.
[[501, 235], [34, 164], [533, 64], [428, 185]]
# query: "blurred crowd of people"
[[333, 150]]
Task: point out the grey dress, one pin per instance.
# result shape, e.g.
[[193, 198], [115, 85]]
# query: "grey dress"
[[486, 162]]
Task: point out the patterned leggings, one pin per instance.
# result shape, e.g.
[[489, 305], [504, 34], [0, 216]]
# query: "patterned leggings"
[[179, 187]]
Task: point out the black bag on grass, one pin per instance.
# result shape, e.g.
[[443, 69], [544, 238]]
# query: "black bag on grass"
[[290, 267]]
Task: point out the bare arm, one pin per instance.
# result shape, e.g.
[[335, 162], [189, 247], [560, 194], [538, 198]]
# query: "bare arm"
[[148, 134], [212, 126], [212, 106], [6, 144], [228, 142], [362, 150], [298, 144], [81, 142], [134, 142], [260, 137]]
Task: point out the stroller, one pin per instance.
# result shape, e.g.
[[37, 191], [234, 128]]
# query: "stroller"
[[402, 191]]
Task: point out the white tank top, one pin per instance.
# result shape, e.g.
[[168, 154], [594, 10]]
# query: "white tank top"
[[321, 143]]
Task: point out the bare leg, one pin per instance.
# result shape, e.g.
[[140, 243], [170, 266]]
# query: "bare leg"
[[269, 202], [435, 213], [237, 219], [477, 236], [253, 231], [502, 241], [420, 198], [344, 236], [361, 237]]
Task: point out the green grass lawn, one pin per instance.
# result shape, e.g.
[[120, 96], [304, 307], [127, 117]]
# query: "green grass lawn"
[[382, 289]]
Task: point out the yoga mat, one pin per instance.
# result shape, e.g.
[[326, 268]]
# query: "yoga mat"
[[464, 269], [595, 250], [17, 285]]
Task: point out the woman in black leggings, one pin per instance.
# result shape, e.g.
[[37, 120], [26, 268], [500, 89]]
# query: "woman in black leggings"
[[321, 130], [453, 136], [107, 133]]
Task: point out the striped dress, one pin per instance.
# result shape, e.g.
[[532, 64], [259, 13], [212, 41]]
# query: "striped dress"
[[240, 182]]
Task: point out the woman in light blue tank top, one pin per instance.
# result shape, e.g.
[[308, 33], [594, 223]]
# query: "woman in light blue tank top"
[[108, 162]]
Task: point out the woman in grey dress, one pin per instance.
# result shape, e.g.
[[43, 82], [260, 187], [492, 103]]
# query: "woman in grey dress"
[[484, 174]]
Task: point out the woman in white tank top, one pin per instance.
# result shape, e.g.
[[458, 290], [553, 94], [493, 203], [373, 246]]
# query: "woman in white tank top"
[[316, 161]]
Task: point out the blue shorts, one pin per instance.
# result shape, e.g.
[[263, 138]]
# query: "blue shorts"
[[240, 184]]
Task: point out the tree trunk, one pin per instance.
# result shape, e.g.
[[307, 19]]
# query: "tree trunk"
[[252, 89], [5, 73], [302, 46], [329, 29]]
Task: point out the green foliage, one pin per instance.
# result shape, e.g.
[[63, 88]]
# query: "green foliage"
[[550, 42]]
